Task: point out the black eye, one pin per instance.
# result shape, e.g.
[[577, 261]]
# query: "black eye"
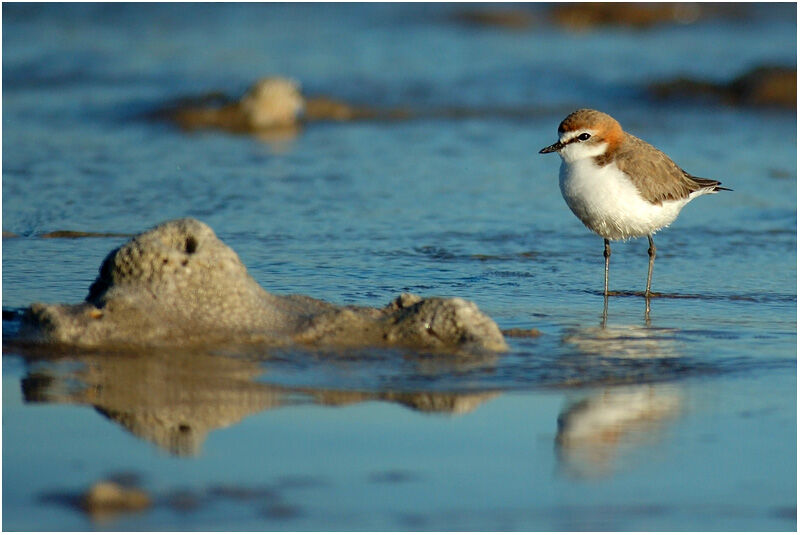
[[584, 136]]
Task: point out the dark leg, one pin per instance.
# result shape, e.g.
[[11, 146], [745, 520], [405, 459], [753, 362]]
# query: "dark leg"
[[607, 255], [652, 252]]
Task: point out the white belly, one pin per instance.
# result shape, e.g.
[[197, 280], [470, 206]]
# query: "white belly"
[[609, 204]]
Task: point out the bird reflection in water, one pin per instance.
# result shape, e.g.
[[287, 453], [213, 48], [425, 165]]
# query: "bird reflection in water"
[[616, 423], [602, 431]]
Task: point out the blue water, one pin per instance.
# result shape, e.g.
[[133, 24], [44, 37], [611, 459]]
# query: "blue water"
[[683, 422]]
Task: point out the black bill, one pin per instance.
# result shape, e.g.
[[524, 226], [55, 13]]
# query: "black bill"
[[557, 146]]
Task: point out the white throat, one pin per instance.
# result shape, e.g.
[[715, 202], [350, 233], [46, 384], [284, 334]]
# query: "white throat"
[[579, 151]]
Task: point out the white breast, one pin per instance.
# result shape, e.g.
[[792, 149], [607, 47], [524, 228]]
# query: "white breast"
[[609, 204]]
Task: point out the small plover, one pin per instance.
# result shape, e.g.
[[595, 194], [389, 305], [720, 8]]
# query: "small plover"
[[619, 186]]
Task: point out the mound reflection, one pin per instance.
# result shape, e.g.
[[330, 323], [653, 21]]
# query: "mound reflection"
[[174, 401]]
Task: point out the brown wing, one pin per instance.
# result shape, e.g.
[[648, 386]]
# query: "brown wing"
[[654, 174]]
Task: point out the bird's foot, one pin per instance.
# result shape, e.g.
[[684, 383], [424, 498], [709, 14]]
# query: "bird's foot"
[[629, 293]]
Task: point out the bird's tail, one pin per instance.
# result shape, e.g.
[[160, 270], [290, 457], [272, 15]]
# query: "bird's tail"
[[706, 183]]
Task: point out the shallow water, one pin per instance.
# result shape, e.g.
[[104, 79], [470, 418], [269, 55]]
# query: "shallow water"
[[685, 421]]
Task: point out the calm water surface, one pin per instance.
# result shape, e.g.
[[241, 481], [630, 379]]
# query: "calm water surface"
[[683, 422]]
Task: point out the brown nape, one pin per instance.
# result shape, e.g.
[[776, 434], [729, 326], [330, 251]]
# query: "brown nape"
[[612, 133]]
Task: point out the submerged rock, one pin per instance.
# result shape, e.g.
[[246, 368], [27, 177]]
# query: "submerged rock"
[[324, 108], [588, 15], [109, 497], [585, 16], [504, 18], [74, 234], [522, 333], [179, 285], [272, 105], [766, 85]]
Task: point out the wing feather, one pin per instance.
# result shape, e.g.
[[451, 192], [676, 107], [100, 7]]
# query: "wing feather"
[[655, 175]]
